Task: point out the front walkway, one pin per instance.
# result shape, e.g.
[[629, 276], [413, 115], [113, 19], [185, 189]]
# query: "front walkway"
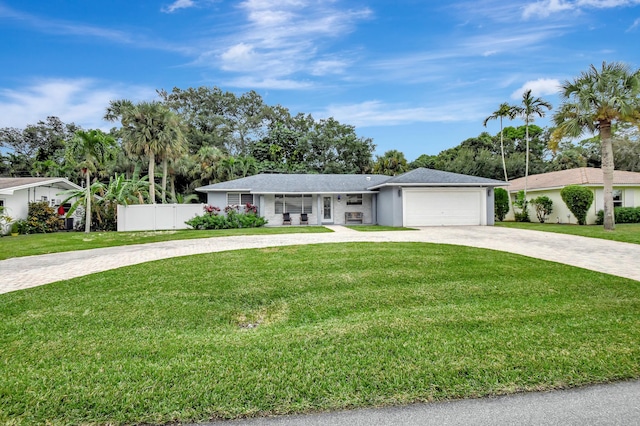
[[599, 255]]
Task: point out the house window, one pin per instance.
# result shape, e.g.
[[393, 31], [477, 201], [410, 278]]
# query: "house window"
[[293, 204], [236, 199], [617, 198], [354, 199]]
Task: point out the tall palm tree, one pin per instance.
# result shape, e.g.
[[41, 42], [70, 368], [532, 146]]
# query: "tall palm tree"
[[504, 111], [592, 102], [148, 129], [531, 107], [173, 151], [94, 148]]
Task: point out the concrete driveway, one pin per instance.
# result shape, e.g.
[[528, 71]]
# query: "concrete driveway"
[[599, 255]]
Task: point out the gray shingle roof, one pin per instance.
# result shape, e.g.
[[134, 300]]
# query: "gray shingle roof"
[[302, 183], [430, 177]]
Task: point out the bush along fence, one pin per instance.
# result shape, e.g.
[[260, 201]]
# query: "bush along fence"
[[233, 217], [621, 215]]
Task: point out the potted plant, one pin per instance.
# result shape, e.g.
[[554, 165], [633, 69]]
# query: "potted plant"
[[15, 230]]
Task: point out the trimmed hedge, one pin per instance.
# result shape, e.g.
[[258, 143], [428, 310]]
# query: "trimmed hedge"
[[578, 199], [621, 215], [501, 200], [230, 221]]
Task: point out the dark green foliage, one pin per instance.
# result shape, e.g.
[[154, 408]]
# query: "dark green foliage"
[[622, 215], [543, 206], [578, 199], [501, 203], [42, 218], [523, 205], [232, 220]]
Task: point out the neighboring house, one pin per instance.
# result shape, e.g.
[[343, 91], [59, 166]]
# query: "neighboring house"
[[17, 193], [626, 191], [421, 197]]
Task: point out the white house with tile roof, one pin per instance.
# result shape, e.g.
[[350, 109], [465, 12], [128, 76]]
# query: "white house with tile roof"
[[421, 197], [626, 191]]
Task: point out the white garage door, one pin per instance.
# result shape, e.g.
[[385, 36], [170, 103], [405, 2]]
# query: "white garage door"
[[438, 207]]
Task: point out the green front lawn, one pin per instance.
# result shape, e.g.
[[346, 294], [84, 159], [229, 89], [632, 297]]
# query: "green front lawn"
[[626, 232], [305, 328], [27, 245]]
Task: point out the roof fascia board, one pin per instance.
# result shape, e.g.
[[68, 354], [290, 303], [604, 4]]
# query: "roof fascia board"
[[438, 185], [13, 189]]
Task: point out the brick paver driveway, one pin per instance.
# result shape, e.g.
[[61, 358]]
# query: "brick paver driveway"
[[611, 257]]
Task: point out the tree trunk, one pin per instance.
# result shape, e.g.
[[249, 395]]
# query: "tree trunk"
[[526, 166], [87, 214], [607, 174], [152, 178], [164, 180], [504, 164]]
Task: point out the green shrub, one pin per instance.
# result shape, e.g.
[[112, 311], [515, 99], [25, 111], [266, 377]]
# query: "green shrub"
[[42, 218], [578, 199], [22, 225], [233, 219], [621, 215], [543, 206], [501, 203], [523, 205]]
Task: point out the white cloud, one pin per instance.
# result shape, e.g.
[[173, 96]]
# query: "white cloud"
[[635, 25], [378, 113], [282, 38], [539, 87], [178, 4], [545, 8], [249, 82], [82, 101]]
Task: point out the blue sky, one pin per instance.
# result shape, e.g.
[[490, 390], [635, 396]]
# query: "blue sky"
[[418, 76]]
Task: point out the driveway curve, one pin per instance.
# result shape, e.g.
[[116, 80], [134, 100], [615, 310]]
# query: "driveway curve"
[[610, 257]]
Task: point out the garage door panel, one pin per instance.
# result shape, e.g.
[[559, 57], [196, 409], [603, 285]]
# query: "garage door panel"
[[442, 208]]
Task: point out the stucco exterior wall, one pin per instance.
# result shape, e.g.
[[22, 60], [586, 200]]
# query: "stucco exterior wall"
[[561, 213], [389, 206], [490, 206]]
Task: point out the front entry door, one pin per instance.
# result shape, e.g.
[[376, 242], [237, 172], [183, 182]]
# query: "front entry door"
[[327, 209]]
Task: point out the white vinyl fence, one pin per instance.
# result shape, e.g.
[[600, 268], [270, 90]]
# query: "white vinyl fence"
[[156, 217]]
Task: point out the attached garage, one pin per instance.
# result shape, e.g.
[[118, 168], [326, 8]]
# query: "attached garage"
[[444, 206]]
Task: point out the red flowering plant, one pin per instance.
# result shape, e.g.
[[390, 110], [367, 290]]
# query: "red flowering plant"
[[212, 210], [251, 208], [232, 208]]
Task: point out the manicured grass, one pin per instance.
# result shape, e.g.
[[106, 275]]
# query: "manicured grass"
[[376, 228], [27, 245], [625, 232], [304, 328]]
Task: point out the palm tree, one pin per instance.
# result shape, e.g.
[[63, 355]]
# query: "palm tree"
[[148, 129], [530, 107], [392, 163], [504, 111], [94, 148], [207, 166], [592, 102]]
